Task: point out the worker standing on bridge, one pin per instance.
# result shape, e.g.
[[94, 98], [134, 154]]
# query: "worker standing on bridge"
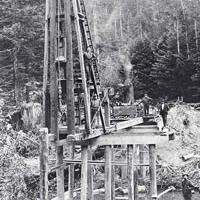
[[88, 58], [187, 187], [164, 112], [95, 103], [146, 100]]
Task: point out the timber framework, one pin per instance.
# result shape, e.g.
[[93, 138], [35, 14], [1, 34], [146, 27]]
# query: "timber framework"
[[77, 112]]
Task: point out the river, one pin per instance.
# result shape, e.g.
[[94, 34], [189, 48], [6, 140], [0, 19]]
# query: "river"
[[176, 195]]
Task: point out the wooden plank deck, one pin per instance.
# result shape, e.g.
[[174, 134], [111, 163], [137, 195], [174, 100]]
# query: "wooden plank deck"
[[126, 132]]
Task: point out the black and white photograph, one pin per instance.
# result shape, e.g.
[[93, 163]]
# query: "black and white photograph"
[[99, 99]]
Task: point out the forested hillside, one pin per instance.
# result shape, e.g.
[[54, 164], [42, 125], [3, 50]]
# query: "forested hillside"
[[153, 42], [160, 38]]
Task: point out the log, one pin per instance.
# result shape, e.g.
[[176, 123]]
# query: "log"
[[60, 173], [82, 66], [53, 72], [131, 188], [107, 111], [90, 175], [152, 170], [69, 91], [44, 164], [171, 188], [71, 173], [108, 173], [45, 69], [84, 173]]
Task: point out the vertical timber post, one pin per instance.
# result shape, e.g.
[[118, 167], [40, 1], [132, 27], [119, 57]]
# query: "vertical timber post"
[[131, 188], [107, 111], [152, 170], [69, 91], [84, 173], [60, 173], [44, 164], [46, 62], [109, 169], [141, 158], [82, 66], [113, 176], [124, 168], [108, 173], [53, 73], [54, 100], [90, 175], [71, 173]]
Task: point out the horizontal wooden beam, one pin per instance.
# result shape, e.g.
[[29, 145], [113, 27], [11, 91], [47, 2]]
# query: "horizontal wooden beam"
[[126, 139], [139, 134], [143, 130], [93, 162], [125, 124]]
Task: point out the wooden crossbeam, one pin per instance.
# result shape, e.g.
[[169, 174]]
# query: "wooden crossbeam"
[[82, 66], [152, 170], [145, 134], [99, 132], [125, 124], [130, 153], [93, 162], [125, 139], [44, 164], [108, 173]]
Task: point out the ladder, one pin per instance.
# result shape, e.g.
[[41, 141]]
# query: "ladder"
[[86, 78], [89, 40], [70, 80], [82, 23]]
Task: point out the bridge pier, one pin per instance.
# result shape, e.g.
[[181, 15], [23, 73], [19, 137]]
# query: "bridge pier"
[[131, 186], [90, 175], [84, 172], [152, 170], [108, 172]]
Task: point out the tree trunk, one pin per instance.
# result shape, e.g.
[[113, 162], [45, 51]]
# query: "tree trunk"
[[177, 34], [120, 21], [17, 88], [140, 22], [196, 34], [96, 39], [115, 20], [128, 24], [187, 44], [186, 31], [46, 104], [17, 92]]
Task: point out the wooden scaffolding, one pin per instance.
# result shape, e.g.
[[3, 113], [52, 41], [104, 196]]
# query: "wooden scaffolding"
[[77, 112]]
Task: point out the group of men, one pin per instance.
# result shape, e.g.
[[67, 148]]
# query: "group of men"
[[187, 186], [163, 108]]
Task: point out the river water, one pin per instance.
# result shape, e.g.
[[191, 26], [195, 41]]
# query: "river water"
[[178, 196]]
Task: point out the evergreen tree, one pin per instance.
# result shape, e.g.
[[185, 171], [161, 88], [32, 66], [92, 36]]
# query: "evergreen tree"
[[142, 59]]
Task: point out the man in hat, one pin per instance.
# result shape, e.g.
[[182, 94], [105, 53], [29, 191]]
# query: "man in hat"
[[146, 102], [88, 58], [95, 103], [187, 187], [164, 112]]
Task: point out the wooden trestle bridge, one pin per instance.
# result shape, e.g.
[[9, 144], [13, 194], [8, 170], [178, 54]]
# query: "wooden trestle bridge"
[[77, 112]]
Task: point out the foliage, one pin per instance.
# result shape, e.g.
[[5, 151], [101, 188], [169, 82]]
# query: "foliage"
[[21, 37], [142, 60], [12, 169], [149, 33], [161, 39]]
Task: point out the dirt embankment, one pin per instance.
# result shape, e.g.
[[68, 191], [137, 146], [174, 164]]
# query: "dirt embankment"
[[183, 153]]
